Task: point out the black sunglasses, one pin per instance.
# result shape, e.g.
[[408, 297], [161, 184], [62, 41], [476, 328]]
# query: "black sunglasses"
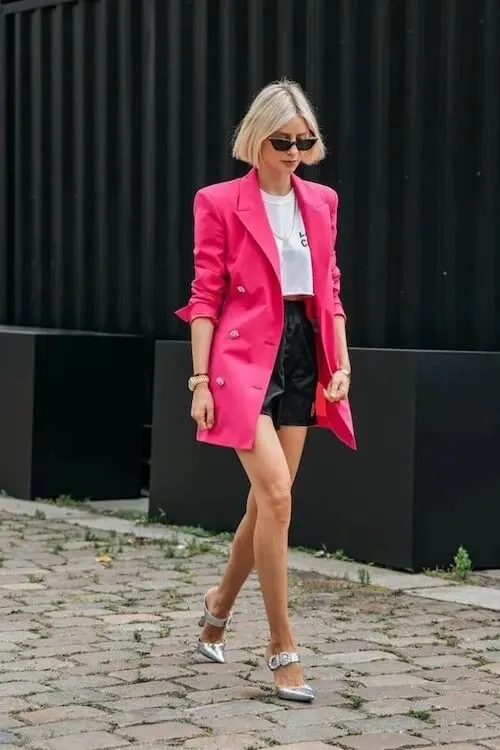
[[285, 144]]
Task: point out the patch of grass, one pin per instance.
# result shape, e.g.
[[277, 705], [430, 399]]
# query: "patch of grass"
[[364, 576], [420, 714], [353, 701]]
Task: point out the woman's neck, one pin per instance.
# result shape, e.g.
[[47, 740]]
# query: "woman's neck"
[[274, 184]]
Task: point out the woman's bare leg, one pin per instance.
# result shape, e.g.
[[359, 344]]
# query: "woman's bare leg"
[[241, 561]]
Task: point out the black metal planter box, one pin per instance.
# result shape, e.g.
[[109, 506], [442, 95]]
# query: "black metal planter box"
[[71, 413], [425, 479]]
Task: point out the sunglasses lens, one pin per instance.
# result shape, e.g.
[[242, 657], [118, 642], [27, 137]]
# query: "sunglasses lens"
[[285, 144], [281, 144], [306, 144]]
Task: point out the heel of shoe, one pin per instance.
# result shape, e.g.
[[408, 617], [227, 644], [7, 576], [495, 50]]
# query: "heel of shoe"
[[301, 694], [213, 651]]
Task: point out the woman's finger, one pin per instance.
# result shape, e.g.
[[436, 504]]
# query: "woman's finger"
[[210, 416]]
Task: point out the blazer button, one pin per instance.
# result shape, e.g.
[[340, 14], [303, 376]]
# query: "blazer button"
[[241, 289], [220, 381], [234, 334]]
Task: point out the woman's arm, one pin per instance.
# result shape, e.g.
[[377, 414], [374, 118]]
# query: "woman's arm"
[[341, 349], [208, 286]]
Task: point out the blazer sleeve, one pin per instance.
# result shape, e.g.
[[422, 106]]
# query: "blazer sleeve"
[[208, 285], [338, 307]]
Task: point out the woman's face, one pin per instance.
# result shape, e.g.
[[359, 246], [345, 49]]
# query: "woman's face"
[[284, 161]]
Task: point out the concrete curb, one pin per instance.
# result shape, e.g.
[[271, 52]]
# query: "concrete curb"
[[418, 585]]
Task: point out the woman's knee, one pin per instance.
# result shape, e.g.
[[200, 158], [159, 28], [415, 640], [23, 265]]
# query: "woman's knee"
[[275, 498]]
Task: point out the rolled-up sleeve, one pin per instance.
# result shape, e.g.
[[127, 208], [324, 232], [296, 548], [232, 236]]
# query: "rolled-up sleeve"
[[209, 283], [338, 307]]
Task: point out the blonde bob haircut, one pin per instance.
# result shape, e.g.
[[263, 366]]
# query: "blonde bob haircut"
[[273, 107]]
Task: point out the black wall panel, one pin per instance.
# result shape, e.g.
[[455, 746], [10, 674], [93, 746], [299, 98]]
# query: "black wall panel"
[[113, 112]]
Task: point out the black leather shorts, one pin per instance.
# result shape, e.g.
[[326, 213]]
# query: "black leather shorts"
[[291, 392]]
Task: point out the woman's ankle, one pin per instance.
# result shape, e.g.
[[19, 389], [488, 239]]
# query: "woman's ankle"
[[281, 644], [218, 606]]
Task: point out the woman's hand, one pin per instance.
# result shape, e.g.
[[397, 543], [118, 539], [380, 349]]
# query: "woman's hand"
[[202, 407], [338, 388]]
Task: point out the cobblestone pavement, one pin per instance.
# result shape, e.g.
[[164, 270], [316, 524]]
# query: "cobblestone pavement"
[[97, 636]]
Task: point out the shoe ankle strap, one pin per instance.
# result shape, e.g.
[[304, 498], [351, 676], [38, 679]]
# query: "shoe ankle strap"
[[216, 622], [282, 659]]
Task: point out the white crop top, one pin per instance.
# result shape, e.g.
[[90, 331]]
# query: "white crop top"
[[290, 235]]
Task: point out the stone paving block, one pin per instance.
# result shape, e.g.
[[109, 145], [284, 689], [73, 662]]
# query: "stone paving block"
[[87, 681], [126, 619], [359, 657], [86, 741], [228, 742], [20, 689], [473, 716], [66, 698], [385, 668], [170, 730], [313, 733], [492, 744], [63, 713], [156, 715], [456, 700], [40, 665], [140, 690], [385, 725], [388, 707], [237, 724], [243, 692], [461, 733], [392, 680], [8, 721], [324, 715], [384, 741], [35, 734]]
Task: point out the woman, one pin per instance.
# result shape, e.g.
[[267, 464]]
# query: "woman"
[[269, 348]]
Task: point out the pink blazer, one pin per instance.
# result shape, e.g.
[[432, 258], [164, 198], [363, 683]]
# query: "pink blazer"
[[237, 285]]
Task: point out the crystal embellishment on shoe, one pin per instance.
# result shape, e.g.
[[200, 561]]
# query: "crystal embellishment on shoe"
[[213, 651], [303, 693]]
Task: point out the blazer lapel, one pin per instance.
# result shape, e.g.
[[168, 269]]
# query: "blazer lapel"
[[317, 221], [318, 225], [252, 213]]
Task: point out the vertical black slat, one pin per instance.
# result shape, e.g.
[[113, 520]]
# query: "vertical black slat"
[[256, 37], [284, 37], [57, 170], [21, 160], [411, 299], [125, 215], [80, 115], [345, 157], [314, 41], [377, 230], [173, 158], [200, 65], [446, 319], [227, 85], [100, 285], [4, 134], [36, 269], [148, 162], [314, 58], [487, 295]]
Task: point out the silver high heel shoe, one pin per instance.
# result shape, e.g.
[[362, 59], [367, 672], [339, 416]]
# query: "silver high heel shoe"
[[304, 693], [213, 651]]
